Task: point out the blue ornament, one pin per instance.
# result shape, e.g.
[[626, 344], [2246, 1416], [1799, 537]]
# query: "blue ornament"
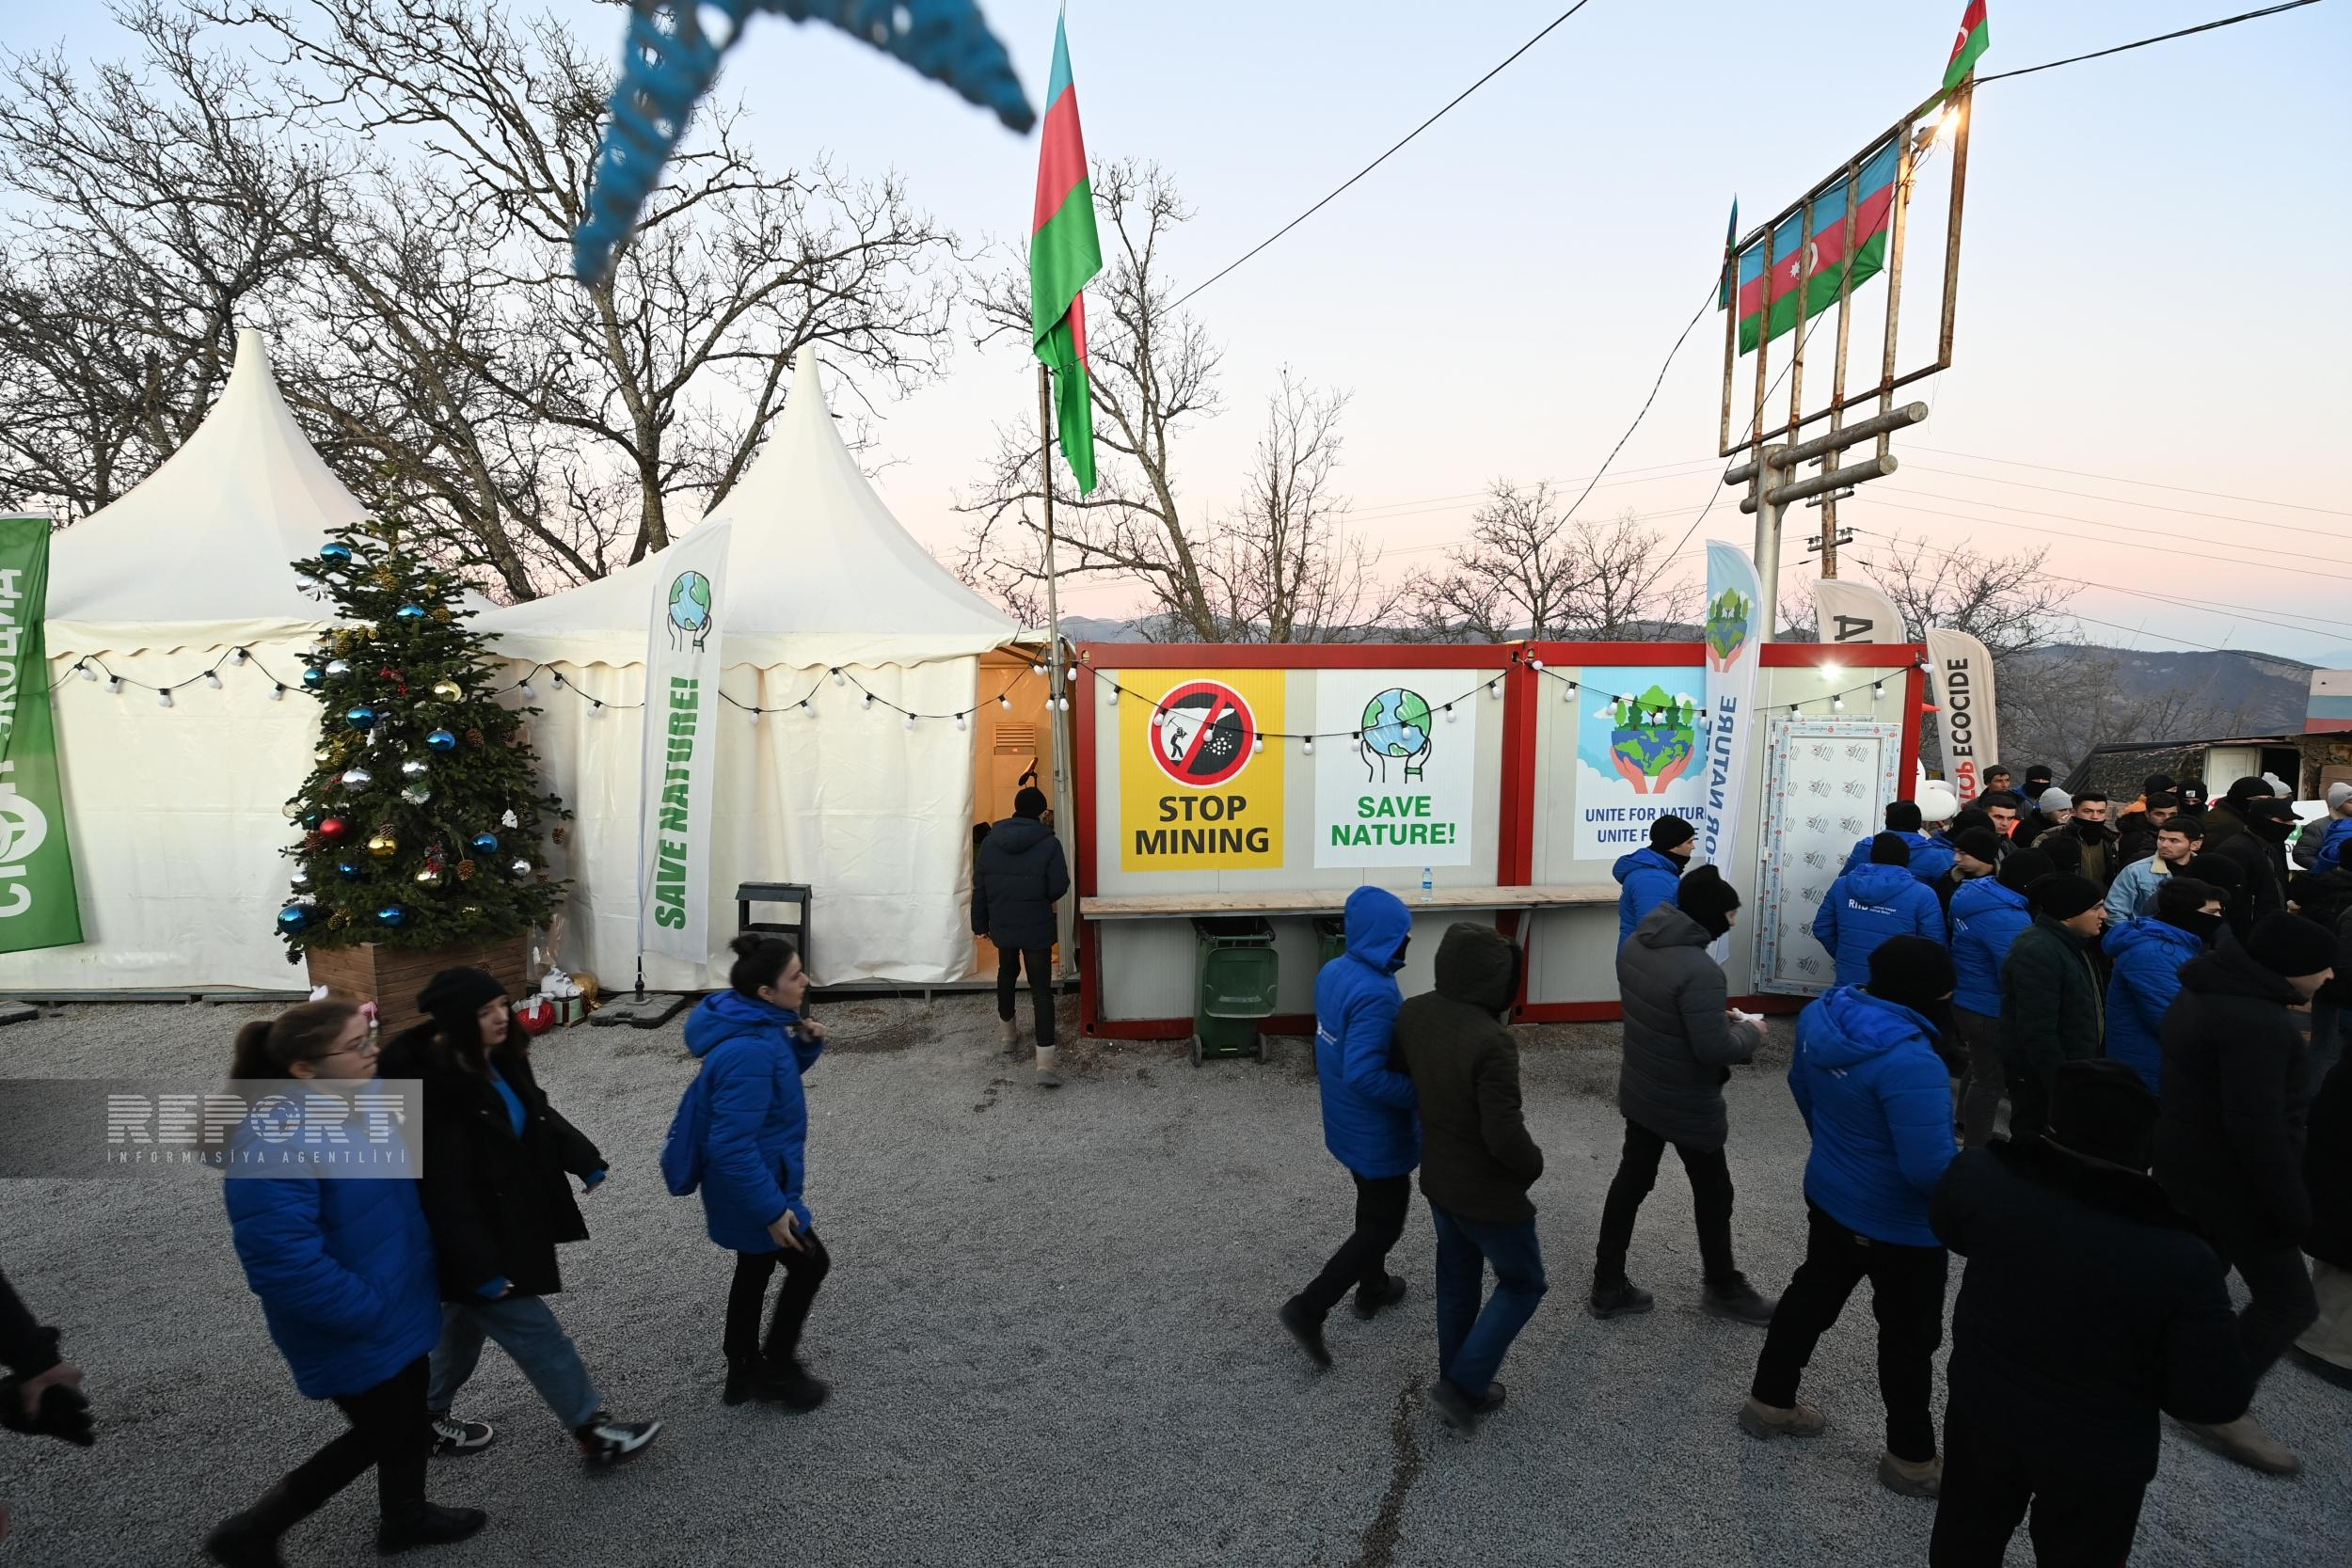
[[486, 844], [294, 918], [349, 870], [409, 612], [441, 740], [314, 677], [392, 914], [311, 820], [362, 718], [337, 551]]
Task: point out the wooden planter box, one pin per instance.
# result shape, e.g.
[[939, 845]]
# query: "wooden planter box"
[[392, 977]]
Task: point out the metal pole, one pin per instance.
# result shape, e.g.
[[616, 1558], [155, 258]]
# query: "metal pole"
[[1964, 104], [1765, 521], [1055, 686], [1767, 544], [1895, 278], [1838, 368]]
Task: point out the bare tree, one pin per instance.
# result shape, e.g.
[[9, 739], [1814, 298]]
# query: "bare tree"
[[2006, 602], [1529, 569]]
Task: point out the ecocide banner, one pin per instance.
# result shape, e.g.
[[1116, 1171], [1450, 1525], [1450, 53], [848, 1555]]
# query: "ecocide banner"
[[1733, 606], [682, 665], [1963, 673], [1393, 786], [38, 908]]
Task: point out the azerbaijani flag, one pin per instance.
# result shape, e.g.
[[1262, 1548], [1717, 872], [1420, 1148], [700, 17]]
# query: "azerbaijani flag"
[[1974, 40], [1064, 252], [1804, 278], [1731, 237]]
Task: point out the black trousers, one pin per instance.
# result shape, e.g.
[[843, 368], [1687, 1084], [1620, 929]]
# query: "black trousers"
[[804, 1271], [1906, 1296], [1041, 966], [1988, 1491], [1381, 1202], [388, 1430], [2281, 1302], [1637, 1173]]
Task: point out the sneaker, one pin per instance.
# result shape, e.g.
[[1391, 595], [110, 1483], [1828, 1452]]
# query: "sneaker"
[[2244, 1442], [1492, 1403], [1906, 1478], [606, 1441], [1758, 1419], [454, 1436], [1457, 1409], [427, 1525], [1735, 1300], [1307, 1329], [1369, 1302], [795, 1390], [1618, 1298]]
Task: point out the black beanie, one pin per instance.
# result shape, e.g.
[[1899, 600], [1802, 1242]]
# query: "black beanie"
[[1890, 850], [1705, 898], [2156, 784], [2039, 774], [1670, 831], [1903, 817], [2219, 870], [2066, 895], [453, 997], [1913, 971], [2289, 945], [1982, 844], [2099, 1107], [1029, 802], [1967, 818], [2023, 869]]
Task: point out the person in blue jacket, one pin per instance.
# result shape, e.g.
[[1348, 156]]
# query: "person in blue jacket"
[[1931, 854], [1370, 1114], [753, 1138], [344, 1269], [1987, 916], [1868, 1079], [2148, 955], [1881, 900], [1647, 878]]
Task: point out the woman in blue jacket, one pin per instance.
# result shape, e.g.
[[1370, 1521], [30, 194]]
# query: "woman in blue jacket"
[[1875, 1098], [1866, 907], [2148, 955], [755, 1046], [1987, 915], [344, 1270]]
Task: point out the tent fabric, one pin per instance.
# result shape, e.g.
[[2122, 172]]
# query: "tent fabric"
[[874, 816], [197, 555]]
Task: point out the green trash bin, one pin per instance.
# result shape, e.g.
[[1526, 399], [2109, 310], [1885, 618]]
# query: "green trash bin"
[[1330, 940], [1236, 970]]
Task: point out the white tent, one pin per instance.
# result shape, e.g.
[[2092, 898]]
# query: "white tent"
[[874, 815], [175, 813]]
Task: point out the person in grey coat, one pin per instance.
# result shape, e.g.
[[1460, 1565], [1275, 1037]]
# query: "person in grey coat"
[[1680, 1042]]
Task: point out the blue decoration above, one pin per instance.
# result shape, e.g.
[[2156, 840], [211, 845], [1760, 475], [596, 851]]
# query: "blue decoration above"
[[409, 612], [314, 677], [294, 918], [349, 870], [362, 718], [335, 549], [486, 844], [441, 740], [392, 914]]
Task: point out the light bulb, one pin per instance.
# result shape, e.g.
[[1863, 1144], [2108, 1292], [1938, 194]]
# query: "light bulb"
[[1831, 671], [1450, 714], [865, 700], [1037, 669], [527, 693], [1839, 702], [1535, 664], [1878, 688], [595, 708], [837, 680], [805, 708], [1005, 702], [1494, 688], [755, 716], [559, 677], [85, 672], [1063, 702], [276, 692], [1257, 744], [1310, 745], [114, 686], [212, 680], [959, 722], [163, 698], [1110, 695], [237, 656], [1567, 691], [910, 721]]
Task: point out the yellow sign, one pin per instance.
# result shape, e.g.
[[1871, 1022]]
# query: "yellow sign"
[[1196, 792]]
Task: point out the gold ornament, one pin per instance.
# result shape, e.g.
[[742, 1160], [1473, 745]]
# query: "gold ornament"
[[432, 875], [589, 986], [449, 691], [383, 845]]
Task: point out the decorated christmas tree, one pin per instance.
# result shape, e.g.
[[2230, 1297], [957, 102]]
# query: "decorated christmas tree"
[[422, 819]]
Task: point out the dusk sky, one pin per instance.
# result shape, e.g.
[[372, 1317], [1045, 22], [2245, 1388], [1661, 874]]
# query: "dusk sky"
[[2150, 366]]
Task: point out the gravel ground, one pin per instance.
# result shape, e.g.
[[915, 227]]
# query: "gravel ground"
[[1050, 1332]]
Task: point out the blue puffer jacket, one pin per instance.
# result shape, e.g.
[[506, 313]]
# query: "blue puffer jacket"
[[1369, 1121], [1879, 1104], [2335, 846], [756, 1146], [344, 1271], [1986, 918], [1930, 856], [1863, 908], [2148, 956], [1648, 879]]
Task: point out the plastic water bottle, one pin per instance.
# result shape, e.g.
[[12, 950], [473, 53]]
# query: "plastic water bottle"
[[1428, 885]]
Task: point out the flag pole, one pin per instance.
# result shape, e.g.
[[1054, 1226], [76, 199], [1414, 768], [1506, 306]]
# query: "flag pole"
[[1056, 684]]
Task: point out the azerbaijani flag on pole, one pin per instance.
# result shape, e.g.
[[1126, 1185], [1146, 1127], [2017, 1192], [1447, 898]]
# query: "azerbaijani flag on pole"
[[1974, 40], [1731, 237], [1064, 252], [1805, 277]]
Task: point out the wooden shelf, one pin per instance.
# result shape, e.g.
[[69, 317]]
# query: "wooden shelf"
[[1165, 905]]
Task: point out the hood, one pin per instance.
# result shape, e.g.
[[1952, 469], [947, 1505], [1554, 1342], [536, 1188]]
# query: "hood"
[[1981, 893], [1850, 1025], [1477, 964], [2064, 933], [2325, 895], [1018, 833], [1627, 865], [1377, 925], [2228, 969], [729, 1013], [1667, 926], [1878, 884], [2127, 1193], [2150, 933]]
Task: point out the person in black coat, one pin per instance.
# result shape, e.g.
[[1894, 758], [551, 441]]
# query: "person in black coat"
[[1017, 873], [2229, 1138], [2259, 852], [2326, 1347], [29, 1350], [495, 1195], [2088, 1305]]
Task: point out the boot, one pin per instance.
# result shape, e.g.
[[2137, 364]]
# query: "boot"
[[250, 1540], [2244, 1442], [1618, 1297], [1305, 1327], [1457, 1409], [424, 1524], [795, 1390], [1758, 1419], [1735, 1300], [1046, 1077], [1369, 1300], [1908, 1480], [1009, 1033], [747, 1380]]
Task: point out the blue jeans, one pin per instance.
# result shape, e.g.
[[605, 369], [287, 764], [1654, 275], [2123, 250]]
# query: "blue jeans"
[[526, 1326], [1470, 1340]]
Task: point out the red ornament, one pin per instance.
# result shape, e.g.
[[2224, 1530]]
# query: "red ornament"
[[333, 830], [536, 1016]]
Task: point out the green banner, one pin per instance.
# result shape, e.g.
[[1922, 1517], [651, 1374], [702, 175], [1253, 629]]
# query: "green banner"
[[38, 907]]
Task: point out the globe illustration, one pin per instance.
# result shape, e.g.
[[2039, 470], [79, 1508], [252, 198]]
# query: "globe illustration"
[[690, 606], [1396, 728]]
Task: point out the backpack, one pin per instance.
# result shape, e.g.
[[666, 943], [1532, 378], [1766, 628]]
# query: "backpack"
[[682, 1147]]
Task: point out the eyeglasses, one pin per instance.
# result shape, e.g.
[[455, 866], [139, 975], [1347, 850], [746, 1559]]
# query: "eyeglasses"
[[363, 1048]]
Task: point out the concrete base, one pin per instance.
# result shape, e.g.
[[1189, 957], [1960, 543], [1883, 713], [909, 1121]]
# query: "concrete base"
[[655, 1010]]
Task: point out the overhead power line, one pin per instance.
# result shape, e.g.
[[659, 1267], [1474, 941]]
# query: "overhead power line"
[[2152, 484], [2142, 43]]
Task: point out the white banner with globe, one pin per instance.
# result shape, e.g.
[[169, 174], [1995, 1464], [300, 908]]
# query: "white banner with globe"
[[1398, 792], [683, 657]]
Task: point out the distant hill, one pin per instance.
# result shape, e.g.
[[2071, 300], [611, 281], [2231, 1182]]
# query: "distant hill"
[[2243, 694]]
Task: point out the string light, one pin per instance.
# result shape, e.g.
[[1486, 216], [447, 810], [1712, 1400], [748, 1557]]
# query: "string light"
[[755, 716], [959, 722], [595, 708], [1878, 688], [837, 678], [114, 686], [238, 655], [1494, 690], [162, 696], [1005, 700], [558, 675], [1310, 745], [212, 680], [1449, 715], [1111, 693], [1257, 744], [278, 691], [84, 670], [1837, 704], [910, 721], [865, 700]]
